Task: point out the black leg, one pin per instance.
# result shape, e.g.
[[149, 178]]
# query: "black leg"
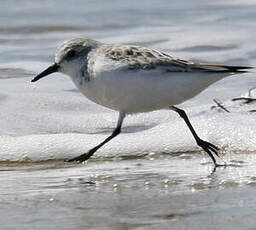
[[206, 146], [116, 131]]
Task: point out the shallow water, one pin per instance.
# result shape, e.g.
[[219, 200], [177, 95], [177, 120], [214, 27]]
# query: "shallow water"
[[137, 181], [146, 193]]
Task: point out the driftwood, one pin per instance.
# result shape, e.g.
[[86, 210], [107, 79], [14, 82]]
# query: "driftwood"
[[220, 105], [245, 100]]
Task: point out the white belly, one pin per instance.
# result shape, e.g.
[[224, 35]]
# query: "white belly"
[[145, 90]]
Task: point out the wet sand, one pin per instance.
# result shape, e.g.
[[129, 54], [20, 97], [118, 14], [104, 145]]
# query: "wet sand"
[[153, 192]]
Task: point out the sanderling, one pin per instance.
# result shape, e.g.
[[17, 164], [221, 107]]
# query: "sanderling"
[[132, 79]]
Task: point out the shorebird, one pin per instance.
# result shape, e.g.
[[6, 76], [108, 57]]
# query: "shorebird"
[[132, 79]]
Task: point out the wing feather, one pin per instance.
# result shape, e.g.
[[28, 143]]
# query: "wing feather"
[[140, 58]]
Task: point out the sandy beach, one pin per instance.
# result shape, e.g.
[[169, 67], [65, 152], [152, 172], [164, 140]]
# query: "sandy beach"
[[152, 176]]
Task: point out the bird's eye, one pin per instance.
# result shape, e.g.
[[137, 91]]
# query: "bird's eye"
[[71, 54]]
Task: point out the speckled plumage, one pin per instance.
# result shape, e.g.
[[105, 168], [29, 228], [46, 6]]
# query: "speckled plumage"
[[135, 57]]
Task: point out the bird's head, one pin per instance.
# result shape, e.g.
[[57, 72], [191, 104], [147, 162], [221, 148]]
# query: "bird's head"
[[71, 56]]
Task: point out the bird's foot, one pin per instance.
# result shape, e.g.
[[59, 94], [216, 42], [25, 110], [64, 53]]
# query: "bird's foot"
[[207, 146], [81, 158], [211, 149]]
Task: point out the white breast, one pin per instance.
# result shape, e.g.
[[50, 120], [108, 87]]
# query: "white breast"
[[133, 91]]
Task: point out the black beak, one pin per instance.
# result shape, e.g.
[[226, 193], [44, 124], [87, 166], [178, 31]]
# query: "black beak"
[[52, 69]]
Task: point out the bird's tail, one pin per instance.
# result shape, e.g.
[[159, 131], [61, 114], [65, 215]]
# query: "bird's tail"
[[236, 69], [223, 68]]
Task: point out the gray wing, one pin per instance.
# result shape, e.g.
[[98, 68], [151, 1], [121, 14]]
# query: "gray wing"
[[135, 57]]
